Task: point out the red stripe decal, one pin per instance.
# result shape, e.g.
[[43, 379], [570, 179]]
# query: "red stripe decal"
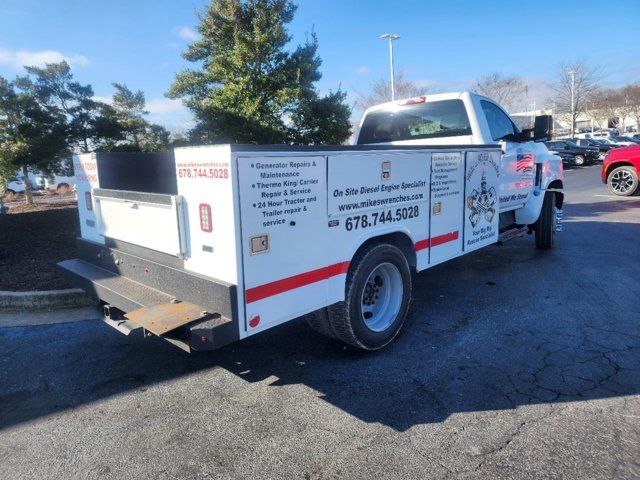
[[421, 245], [447, 237], [280, 286], [435, 241]]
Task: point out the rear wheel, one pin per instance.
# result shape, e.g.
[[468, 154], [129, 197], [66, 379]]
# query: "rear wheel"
[[377, 298], [623, 181], [579, 160], [319, 321], [545, 227]]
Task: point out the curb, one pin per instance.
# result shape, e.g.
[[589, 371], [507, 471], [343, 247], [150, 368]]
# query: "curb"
[[43, 300]]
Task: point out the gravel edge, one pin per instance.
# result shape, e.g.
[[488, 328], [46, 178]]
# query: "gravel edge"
[[43, 300]]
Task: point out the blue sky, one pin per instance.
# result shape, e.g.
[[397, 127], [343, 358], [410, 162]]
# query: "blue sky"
[[449, 44]]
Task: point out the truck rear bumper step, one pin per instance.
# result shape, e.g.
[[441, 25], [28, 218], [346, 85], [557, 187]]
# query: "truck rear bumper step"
[[113, 289], [185, 324]]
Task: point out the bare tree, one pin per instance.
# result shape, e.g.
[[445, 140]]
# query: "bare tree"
[[379, 91], [607, 105], [578, 82], [507, 91], [631, 102]]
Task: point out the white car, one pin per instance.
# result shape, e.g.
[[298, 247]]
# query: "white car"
[[623, 141], [16, 185], [56, 182], [600, 134]]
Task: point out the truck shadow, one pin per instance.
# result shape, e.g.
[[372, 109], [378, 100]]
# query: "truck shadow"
[[504, 327]]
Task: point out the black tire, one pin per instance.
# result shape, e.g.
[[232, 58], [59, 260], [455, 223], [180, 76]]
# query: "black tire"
[[615, 178], [9, 191], [544, 227], [319, 322], [346, 318], [579, 160]]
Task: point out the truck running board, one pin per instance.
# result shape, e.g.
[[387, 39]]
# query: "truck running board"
[[513, 233]]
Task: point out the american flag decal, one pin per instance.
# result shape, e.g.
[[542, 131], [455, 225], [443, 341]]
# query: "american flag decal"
[[524, 163]]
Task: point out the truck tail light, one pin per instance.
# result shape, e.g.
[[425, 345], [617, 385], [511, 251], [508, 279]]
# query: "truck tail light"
[[87, 198], [413, 101], [205, 217]]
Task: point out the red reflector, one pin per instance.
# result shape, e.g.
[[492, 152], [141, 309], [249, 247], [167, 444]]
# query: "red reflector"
[[205, 217], [413, 101], [87, 197], [255, 321]]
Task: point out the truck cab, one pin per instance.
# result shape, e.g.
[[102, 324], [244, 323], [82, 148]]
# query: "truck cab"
[[527, 167]]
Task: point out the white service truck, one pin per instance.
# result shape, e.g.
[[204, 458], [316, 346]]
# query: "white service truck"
[[208, 245]]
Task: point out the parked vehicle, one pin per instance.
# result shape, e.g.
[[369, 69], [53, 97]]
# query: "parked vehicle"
[[14, 185], [572, 153], [620, 170], [599, 134], [623, 141], [63, 179], [59, 182], [602, 147], [215, 244]]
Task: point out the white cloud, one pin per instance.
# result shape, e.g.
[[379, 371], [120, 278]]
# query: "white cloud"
[[187, 33], [21, 58], [100, 98], [164, 106], [363, 70], [170, 113]]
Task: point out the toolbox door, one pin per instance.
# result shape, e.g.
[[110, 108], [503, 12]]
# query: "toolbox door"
[[283, 206], [447, 198], [149, 220], [482, 184]]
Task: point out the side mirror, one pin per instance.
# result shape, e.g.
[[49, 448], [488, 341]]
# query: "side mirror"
[[542, 128]]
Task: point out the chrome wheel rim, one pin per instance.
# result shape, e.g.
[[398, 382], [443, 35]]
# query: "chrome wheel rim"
[[579, 160], [381, 297], [622, 181]]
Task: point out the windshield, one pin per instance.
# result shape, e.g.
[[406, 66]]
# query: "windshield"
[[570, 143], [446, 118]]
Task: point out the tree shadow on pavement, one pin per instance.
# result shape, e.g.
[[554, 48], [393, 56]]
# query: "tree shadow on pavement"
[[503, 327]]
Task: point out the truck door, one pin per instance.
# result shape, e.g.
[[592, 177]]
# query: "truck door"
[[517, 164]]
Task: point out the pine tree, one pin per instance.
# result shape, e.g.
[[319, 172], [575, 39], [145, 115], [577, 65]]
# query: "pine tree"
[[248, 88]]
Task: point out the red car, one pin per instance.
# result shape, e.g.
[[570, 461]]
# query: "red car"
[[620, 170]]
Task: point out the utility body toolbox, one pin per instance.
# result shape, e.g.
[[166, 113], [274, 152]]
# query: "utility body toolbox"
[[212, 244]]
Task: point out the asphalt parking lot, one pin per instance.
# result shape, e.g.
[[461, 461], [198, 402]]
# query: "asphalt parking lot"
[[516, 363]]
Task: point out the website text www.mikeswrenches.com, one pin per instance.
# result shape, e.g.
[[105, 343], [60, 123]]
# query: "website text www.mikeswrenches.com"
[[379, 202]]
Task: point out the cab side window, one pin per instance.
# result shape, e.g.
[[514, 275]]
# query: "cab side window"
[[499, 123]]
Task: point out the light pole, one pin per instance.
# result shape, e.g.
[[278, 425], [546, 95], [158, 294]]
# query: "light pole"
[[391, 38], [573, 103]]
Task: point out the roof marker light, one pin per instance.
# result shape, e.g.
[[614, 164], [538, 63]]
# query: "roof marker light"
[[413, 101]]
